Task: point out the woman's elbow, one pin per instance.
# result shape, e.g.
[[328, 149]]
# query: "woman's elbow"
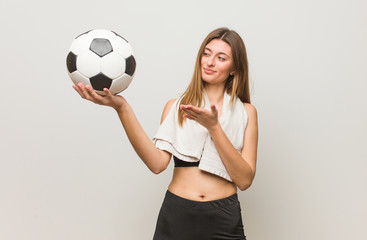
[[159, 163], [158, 170], [245, 185]]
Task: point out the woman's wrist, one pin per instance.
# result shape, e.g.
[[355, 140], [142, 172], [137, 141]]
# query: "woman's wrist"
[[213, 129], [122, 108]]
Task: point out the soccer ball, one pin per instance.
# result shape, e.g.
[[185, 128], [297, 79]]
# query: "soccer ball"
[[103, 59]]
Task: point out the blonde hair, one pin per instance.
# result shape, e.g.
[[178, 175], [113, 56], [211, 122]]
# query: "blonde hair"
[[236, 85]]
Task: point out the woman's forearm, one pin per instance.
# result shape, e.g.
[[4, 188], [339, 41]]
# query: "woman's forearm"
[[236, 166], [155, 159]]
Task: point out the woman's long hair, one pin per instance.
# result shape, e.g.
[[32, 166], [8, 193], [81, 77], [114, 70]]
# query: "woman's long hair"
[[236, 85]]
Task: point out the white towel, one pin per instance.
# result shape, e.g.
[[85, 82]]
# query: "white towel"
[[193, 143]]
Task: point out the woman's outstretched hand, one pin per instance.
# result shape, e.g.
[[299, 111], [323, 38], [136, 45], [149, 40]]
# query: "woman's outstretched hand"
[[111, 100], [207, 118]]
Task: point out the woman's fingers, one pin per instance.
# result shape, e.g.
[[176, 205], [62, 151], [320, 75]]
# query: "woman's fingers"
[[194, 111], [84, 91], [188, 116], [108, 93], [94, 97], [205, 117], [214, 109], [76, 87], [88, 93], [190, 113], [197, 111]]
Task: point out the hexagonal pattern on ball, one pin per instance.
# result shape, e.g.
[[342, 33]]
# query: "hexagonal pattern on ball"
[[120, 84], [77, 77], [121, 46], [113, 65], [103, 59], [81, 44], [88, 64]]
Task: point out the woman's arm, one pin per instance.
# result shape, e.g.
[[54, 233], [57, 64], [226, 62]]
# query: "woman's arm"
[[156, 160], [240, 166]]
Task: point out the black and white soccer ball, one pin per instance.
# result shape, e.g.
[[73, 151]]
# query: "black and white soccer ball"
[[102, 59]]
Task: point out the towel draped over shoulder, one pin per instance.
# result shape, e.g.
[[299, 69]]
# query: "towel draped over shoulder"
[[192, 142]]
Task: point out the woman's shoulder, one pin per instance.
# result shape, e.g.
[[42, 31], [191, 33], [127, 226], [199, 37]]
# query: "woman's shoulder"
[[250, 109], [167, 108], [169, 104], [251, 112]]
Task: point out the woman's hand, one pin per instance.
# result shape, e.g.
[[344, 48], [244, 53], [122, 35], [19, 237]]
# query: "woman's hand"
[[208, 119], [88, 93]]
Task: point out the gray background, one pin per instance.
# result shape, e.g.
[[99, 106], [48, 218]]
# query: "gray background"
[[67, 170]]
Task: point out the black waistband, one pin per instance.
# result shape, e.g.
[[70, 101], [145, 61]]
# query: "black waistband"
[[198, 205], [180, 163]]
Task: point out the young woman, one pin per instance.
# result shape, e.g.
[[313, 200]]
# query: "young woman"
[[211, 132]]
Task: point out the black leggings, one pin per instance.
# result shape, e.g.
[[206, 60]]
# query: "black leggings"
[[183, 219]]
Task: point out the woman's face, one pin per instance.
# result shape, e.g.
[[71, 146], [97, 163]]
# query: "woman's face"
[[216, 62]]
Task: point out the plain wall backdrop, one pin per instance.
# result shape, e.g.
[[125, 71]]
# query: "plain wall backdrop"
[[68, 171]]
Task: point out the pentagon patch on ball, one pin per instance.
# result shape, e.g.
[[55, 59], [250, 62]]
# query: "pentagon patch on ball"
[[103, 59]]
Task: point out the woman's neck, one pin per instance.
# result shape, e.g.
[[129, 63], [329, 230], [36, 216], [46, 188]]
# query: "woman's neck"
[[215, 94]]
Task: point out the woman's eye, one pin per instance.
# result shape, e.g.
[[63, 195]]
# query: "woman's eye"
[[221, 58], [205, 54]]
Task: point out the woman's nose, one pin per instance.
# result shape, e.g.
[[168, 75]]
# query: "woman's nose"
[[210, 61]]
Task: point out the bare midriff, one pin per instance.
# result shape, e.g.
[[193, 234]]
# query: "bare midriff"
[[194, 184]]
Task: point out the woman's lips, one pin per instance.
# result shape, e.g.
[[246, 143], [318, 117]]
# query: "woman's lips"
[[208, 71]]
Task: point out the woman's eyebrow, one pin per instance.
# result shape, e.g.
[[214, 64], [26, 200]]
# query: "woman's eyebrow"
[[208, 49], [218, 52]]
